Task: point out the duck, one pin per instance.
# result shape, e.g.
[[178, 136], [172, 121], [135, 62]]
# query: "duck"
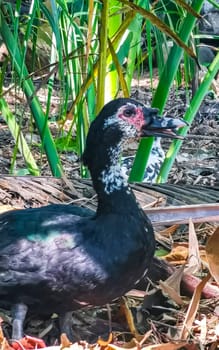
[[155, 161], [59, 258]]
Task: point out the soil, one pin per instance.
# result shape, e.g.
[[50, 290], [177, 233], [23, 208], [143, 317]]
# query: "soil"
[[196, 163], [198, 159]]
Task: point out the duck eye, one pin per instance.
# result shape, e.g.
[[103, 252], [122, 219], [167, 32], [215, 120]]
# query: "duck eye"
[[128, 112]]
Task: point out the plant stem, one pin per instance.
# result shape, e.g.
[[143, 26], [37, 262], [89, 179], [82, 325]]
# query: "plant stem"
[[103, 55], [163, 90], [189, 117], [29, 90]]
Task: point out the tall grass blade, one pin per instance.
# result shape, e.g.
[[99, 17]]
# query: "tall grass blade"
[[102, 56], [163, 89], [19, 138], [173, 59], [112, 81], [161, 25], [189, 117], [34, 104], [119, 70]]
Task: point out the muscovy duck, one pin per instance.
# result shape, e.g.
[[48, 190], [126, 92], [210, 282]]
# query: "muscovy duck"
[[155, 161], [59, 258]]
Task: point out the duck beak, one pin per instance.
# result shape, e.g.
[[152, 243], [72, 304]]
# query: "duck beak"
[[160, 126]]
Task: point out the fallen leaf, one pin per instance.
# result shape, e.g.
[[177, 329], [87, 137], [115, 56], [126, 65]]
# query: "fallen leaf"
[[135, 293], [129, 318], [52, 347], [162, 346], [193, 307], [178, 254], [104, 343], [175, 279], [194, 261], [65, 342], [217, 330], [139, 341], [172, 285], [212, 254], [28, 342], [171, 293], [169, 230], [203, 330], [167, 346]]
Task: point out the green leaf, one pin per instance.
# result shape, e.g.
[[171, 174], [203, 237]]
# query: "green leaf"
[[160, 25], [29, 91], [66, 144], [18, 137], [163, 90], [189, 117]]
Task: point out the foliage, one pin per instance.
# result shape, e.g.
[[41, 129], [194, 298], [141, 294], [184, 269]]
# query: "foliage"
[[93, 50]]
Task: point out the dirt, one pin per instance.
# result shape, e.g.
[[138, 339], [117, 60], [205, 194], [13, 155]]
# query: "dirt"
[[196, 163], [198, 159]]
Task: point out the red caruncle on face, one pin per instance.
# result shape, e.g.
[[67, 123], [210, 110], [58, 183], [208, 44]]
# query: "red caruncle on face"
[[133, 115]]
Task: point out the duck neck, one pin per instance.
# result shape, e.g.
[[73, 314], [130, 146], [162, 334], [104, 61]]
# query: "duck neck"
[[109, 181]]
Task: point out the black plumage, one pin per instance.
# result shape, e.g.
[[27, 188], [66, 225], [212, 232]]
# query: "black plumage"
[[59, 258]]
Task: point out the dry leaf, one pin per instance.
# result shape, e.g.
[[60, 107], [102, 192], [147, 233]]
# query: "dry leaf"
[[28, 342], [175, 279], [75, 346], [171, 292], [65, 342], [139, 341], [169, 231], [194, 261], [212, 254], [52, 347], [129, 318], [172, 285], [203, 330], [178, 254], [166, 346], [104, 343], [193, 307], [136, 293]]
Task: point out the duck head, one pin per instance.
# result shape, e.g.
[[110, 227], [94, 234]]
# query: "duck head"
[[135, 119]]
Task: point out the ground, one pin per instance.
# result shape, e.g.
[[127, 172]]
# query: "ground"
[[197, 163]]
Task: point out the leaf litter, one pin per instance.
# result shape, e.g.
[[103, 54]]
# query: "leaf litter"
[[162, 316], [179, 313]]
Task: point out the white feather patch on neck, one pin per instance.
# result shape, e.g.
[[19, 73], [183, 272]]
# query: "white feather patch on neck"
[[113, 179], [113, 176]]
